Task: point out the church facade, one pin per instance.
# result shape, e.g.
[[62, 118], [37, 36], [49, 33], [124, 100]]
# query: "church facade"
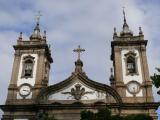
[[30, 96]]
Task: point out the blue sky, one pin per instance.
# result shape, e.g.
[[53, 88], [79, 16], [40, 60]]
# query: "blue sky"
[[69, 23]]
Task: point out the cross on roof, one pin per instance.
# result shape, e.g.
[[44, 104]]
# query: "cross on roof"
[[38, 16], [79, 50], [123, 10], [124, 14]]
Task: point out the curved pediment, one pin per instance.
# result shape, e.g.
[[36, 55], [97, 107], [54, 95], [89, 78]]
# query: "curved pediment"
[[78, 88]]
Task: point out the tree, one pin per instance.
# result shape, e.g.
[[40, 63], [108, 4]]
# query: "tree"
[[87, 115], [41, 115], [117, 117], [156, 79], [49, 118], [138, 117], [103, 114]]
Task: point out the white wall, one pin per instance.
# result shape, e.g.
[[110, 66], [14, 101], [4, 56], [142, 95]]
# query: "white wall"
[[128, 78], [91, 96], [30, 81]]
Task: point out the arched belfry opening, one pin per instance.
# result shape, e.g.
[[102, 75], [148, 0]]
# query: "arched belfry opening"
[[131, 65], [28, 65]]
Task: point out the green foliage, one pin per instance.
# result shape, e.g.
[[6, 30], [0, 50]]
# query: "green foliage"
[[102, 114], [156, 79], [50, 118], [105, 114], [117, 117], [44, 116], [87, 115], [138, 117]]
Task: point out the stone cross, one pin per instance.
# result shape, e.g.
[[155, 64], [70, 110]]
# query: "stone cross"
[[79, 50], [38, 16]]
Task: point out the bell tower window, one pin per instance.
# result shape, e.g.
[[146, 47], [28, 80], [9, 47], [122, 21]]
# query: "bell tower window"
[[131, 63], [28, 65]]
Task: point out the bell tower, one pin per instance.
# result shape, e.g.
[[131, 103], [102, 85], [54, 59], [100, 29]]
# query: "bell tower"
[[131, 74], [31, 68]]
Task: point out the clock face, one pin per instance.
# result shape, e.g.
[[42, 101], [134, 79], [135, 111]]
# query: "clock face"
[[25, 90], [133, 87]]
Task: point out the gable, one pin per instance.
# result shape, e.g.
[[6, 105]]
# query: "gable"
[[78, 87], [78, 91]]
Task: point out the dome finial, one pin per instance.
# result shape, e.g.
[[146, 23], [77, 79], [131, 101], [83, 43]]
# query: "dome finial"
[[36, 34], [115, 32], [140, 31], [124, 15], [44, 34], [20, 36], [124, 19], [37, 21], [126, 31], [38, 17], [111, 77]]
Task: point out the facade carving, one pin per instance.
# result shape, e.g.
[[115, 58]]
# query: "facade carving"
[[78, 92]]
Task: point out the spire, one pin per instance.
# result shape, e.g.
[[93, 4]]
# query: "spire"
[[112, 80], [38, 17], [124, 17], [111, 76], [36, 35], [126, 30], [115, 32], [140, 31], [20, 36], [79, 63], [44, 36]]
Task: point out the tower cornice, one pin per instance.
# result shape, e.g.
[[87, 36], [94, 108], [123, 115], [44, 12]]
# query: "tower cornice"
[[36, 47], [131, 43]]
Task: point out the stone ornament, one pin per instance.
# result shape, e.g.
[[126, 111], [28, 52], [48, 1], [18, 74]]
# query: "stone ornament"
[[77, 92]]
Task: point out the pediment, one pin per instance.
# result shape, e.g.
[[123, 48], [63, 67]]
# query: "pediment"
[[79, 88], [77, 91]]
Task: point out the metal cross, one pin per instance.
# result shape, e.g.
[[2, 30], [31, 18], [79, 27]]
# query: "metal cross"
[[38, 16], [123, 10], [124, 14], [79, 50]]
